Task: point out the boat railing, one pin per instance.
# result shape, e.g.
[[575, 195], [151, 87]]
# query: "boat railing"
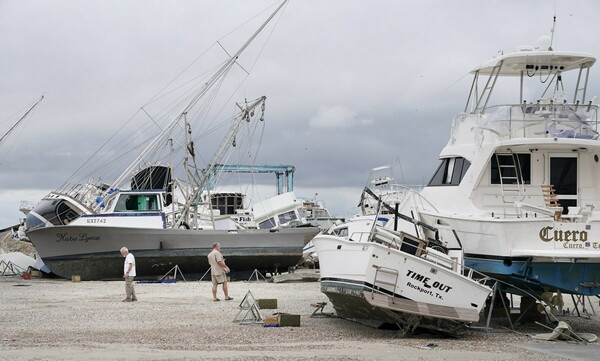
[[543, 119], [395, 240], [430, 251], [360, 236]]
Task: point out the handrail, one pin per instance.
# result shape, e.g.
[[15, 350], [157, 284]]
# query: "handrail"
[[402, 216], [409, 190], [542, 120]]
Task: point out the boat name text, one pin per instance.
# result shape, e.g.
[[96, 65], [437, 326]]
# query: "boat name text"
[[426, 281], [548, 234], [82, 237]]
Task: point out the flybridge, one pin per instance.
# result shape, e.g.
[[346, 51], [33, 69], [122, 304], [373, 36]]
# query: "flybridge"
[[513, 64], [547, 65], [552, 112]]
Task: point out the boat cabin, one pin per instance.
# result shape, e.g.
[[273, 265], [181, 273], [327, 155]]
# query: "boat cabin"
[[537, 155]]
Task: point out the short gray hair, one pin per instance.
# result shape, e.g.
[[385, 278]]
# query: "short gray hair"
[[124, 250]]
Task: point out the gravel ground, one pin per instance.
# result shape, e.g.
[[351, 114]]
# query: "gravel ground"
[[53, 319]]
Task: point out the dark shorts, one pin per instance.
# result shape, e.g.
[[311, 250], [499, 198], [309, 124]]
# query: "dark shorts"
[[218, 279]]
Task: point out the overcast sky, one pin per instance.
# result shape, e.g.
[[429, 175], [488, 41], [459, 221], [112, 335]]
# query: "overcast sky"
[[351, 85]]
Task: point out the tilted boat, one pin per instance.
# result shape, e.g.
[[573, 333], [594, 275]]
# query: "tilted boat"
[[78, 230], [378, 275], [518, 180]]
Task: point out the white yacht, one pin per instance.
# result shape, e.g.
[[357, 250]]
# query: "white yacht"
[[518, 180]]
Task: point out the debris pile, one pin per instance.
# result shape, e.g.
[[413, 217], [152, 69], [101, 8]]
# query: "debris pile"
[[9, 244]]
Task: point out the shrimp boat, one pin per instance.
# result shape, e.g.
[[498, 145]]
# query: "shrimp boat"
[[518, 179], [164, 208], [375, 274]]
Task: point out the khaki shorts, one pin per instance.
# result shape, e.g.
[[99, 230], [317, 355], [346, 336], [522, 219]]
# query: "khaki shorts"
[[218, 279]]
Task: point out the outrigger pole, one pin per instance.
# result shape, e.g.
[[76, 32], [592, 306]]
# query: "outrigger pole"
[[19, 121]]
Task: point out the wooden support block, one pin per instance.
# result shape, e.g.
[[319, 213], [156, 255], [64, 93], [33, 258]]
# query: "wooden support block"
[[36, 274], [267, 303], [271, 319], [288, 320], [75, 278]]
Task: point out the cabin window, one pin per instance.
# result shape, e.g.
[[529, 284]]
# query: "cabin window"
[[65, 214], [287, 217], [508, 167], [268, 224], [342, 232], [450, 172], [137, 202], [227, 203]]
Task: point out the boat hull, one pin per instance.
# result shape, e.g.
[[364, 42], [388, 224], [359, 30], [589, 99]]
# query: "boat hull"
[[523, 253], [359, 303], [537, 276], [93, 252]]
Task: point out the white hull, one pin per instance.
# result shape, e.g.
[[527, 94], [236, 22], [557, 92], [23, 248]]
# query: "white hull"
[[395, 285]]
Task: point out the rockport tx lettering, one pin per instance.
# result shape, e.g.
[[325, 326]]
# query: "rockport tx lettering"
[[81, 237], [430, 287]]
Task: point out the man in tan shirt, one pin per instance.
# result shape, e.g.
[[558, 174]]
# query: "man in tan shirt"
[[218, 271]]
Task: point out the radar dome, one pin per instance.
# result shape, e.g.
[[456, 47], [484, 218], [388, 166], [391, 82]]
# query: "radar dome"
[[544, 43]]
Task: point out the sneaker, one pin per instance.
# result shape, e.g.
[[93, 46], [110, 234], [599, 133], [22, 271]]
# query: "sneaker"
[[127, 300], [134, 299], [229, 299]]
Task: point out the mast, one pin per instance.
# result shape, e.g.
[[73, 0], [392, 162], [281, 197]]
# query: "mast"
[[223, 70], [221, 153], [20, 120]]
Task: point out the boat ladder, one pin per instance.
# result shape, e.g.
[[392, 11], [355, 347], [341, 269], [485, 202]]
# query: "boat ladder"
[[511, 180], [377, 283]]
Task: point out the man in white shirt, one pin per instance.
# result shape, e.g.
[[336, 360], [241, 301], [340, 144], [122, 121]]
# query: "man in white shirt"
[[128, 274]]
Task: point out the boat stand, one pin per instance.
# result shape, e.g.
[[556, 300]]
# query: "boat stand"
[[318, 312], [205, 273], [174, 270], [249, 312], [10, 269], [581, 300], [256, 274], [497, 292]]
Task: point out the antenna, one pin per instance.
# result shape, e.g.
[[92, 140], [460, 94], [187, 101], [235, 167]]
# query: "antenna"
[[552, 31]]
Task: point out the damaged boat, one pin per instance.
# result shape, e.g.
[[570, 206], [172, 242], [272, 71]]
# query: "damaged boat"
[[379, 275], [163, 206]]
